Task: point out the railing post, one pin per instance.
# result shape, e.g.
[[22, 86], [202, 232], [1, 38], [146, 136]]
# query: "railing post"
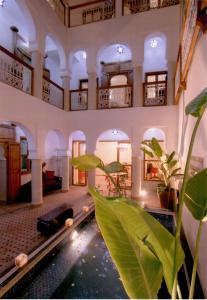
[[66, 85], [37, 63], [92, 90], [137, 85], [118, 7], [170, 82]]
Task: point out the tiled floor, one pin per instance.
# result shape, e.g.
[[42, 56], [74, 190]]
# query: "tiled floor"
[[18, 222]]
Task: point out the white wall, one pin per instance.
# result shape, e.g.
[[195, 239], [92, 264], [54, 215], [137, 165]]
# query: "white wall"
[[196, 82]]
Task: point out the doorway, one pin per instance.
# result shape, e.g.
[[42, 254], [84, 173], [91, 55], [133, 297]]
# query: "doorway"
[[79, 178]]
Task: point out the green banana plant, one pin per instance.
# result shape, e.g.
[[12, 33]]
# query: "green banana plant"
[[168, 162], [141, 248]]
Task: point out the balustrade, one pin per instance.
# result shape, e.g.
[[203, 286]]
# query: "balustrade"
[[91, 12], [52, 93], [137, 6], [15, 72], [79, 99], [155, 94], [115, 97]]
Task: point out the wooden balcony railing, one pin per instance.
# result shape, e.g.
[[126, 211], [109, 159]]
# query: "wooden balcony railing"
[[138, 6], [52, 93], [115, 97], [189, 35], [155, 94], [90, 12], [15, 72], [78, 100]]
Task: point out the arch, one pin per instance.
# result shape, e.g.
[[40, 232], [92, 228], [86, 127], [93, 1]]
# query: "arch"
[[155, 46], [78, 67], [17, 14], [154, 132], [29, 20], [55, 148], [113, 134], [22, 130], [114, 52], [52, 43], [77, 135]]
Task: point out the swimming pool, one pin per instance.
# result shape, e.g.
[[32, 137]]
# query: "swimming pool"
[[79, 267]]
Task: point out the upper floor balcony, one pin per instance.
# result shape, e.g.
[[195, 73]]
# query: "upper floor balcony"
[[73, 13]]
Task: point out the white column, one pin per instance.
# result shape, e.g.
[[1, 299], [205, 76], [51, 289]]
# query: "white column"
[[136, 176], [137, 86], [36, 181], [65, 173], [170, 82], [37, 63], [90, 149], [118, 6], [92, 85], [66, 86]]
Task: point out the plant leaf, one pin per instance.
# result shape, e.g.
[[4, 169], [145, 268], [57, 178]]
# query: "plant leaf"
[[87, 162], [174, 172], [113, 167], [125, 227], [197, 105], [156, 147], [147, 152], [196, 195], [170, 157], [172, 163]]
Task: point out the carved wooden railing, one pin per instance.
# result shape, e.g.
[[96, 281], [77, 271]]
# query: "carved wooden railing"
[[89, 12], [79, 99], [138, 6], [155, 94], [52, 93], [114, 97], [60, 9], [189, 35], [15, 72]]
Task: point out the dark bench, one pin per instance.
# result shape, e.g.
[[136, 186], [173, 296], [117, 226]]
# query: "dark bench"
[[54, 219]]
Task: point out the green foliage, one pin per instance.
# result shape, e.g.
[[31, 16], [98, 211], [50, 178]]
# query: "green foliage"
[[196, 195], [113, 167], [87, 162], [140, 246], [197, 106], [167, 162]]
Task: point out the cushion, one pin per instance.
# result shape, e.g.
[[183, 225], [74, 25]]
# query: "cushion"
[[49, 174]]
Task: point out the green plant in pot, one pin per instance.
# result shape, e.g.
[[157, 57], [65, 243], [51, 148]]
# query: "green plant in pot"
[[167, 169]]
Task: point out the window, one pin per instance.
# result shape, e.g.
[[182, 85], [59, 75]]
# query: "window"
[[155, 88], [25, 162], [83, 84]]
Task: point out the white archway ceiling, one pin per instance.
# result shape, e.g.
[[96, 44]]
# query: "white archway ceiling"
[[112, 54]]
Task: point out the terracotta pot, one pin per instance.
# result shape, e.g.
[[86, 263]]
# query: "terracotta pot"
[[166, 199]]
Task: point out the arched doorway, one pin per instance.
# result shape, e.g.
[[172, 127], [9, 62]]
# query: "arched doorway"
[[77, 143], [114, 145], [151, 165]]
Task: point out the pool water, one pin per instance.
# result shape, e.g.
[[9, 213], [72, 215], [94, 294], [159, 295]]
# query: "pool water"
[[80, 267]]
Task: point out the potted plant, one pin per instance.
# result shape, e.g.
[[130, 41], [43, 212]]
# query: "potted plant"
[[167, 169]]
